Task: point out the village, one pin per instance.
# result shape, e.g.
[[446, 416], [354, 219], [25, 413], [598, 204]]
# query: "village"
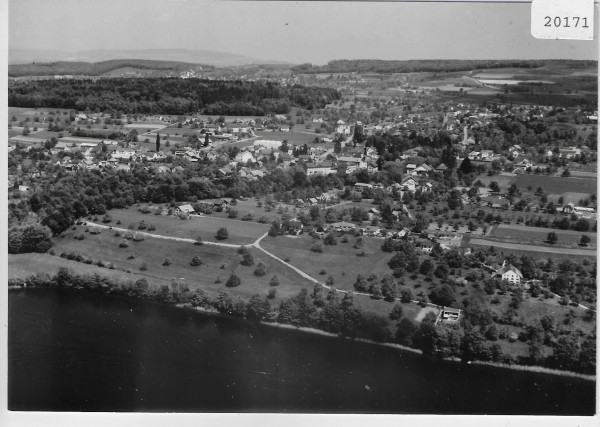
[[446, 208]]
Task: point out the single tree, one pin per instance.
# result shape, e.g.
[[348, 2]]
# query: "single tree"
[[260, 270], [585, 240], [222, 234], [157, 142], [233, 281], [552, 238], [274, 281]]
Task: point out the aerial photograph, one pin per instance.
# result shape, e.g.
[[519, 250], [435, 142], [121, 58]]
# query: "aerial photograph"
[[278, 207]]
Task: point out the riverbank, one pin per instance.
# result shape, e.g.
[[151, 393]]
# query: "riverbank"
[[310, 330]]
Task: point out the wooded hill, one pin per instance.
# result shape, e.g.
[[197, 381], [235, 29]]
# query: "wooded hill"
[[98, 68], [167, 96]]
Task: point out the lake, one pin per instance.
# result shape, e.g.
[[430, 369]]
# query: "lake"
[[78, 351]]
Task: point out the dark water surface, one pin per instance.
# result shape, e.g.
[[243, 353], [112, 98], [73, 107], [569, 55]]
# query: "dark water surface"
[[75, 351]]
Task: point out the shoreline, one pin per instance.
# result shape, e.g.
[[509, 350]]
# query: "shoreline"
[[316, 331]]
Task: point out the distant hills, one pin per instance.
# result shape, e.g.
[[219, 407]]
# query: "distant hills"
[[189, 56], [111, 68], [431, 65]]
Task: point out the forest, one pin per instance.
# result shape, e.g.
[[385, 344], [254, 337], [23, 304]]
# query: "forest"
[[168, 96], [382, 66]]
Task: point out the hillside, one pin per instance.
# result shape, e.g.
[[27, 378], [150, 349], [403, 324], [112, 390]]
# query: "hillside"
[[141, 68], [190, 56], [381, 66]]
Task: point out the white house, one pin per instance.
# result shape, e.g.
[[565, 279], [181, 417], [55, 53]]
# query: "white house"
[[510, 273], [244, 157]]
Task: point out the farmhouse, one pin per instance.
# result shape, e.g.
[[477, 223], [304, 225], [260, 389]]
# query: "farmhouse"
[[510, 273], [185, 209]]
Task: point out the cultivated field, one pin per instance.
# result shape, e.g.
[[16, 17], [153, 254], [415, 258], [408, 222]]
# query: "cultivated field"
[[538, 250], [556, 184], [537, 235]]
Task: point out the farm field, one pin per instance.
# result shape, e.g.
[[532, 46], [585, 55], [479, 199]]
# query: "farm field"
[[217, 262], [340, 261], [240, 232], [556, 184], [537, 235], [534, 250]]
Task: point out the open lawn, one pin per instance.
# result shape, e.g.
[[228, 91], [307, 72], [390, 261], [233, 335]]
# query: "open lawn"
[[240, 232], [556, 184], [293, 137], [340, 261], [15, 132], [217, 262], [503, 179], [537, 235]]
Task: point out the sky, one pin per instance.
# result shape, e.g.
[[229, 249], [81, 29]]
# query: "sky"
[[296, 32]]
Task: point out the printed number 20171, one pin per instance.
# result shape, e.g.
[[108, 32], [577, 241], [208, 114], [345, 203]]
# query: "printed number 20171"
[[566, 22]]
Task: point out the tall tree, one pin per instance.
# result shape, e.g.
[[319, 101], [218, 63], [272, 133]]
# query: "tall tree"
[[157, 142]]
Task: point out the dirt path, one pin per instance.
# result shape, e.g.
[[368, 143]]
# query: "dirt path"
[[160, 236], [255, 244]]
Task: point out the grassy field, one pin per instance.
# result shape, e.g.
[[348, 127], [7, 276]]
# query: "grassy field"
[[340, 261], [240, 232], [24, 265], [556, 184], [293, 137], [536, 235], [217, 262]]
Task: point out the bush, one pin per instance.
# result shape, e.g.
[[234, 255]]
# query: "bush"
[[144, 266], [272, 293], [196, 261], [166, 262], [138, 238], [80, 236], [123, 243], [274, 281], [317, 247], [233, 281], [330, 239]]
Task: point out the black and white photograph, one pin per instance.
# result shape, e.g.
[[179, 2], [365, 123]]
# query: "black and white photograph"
[[281, 207]]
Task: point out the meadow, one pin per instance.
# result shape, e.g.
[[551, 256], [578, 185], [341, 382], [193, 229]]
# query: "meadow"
[[341, 261], [240, 232], [537, 235], [556, 184], [147, 259]]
